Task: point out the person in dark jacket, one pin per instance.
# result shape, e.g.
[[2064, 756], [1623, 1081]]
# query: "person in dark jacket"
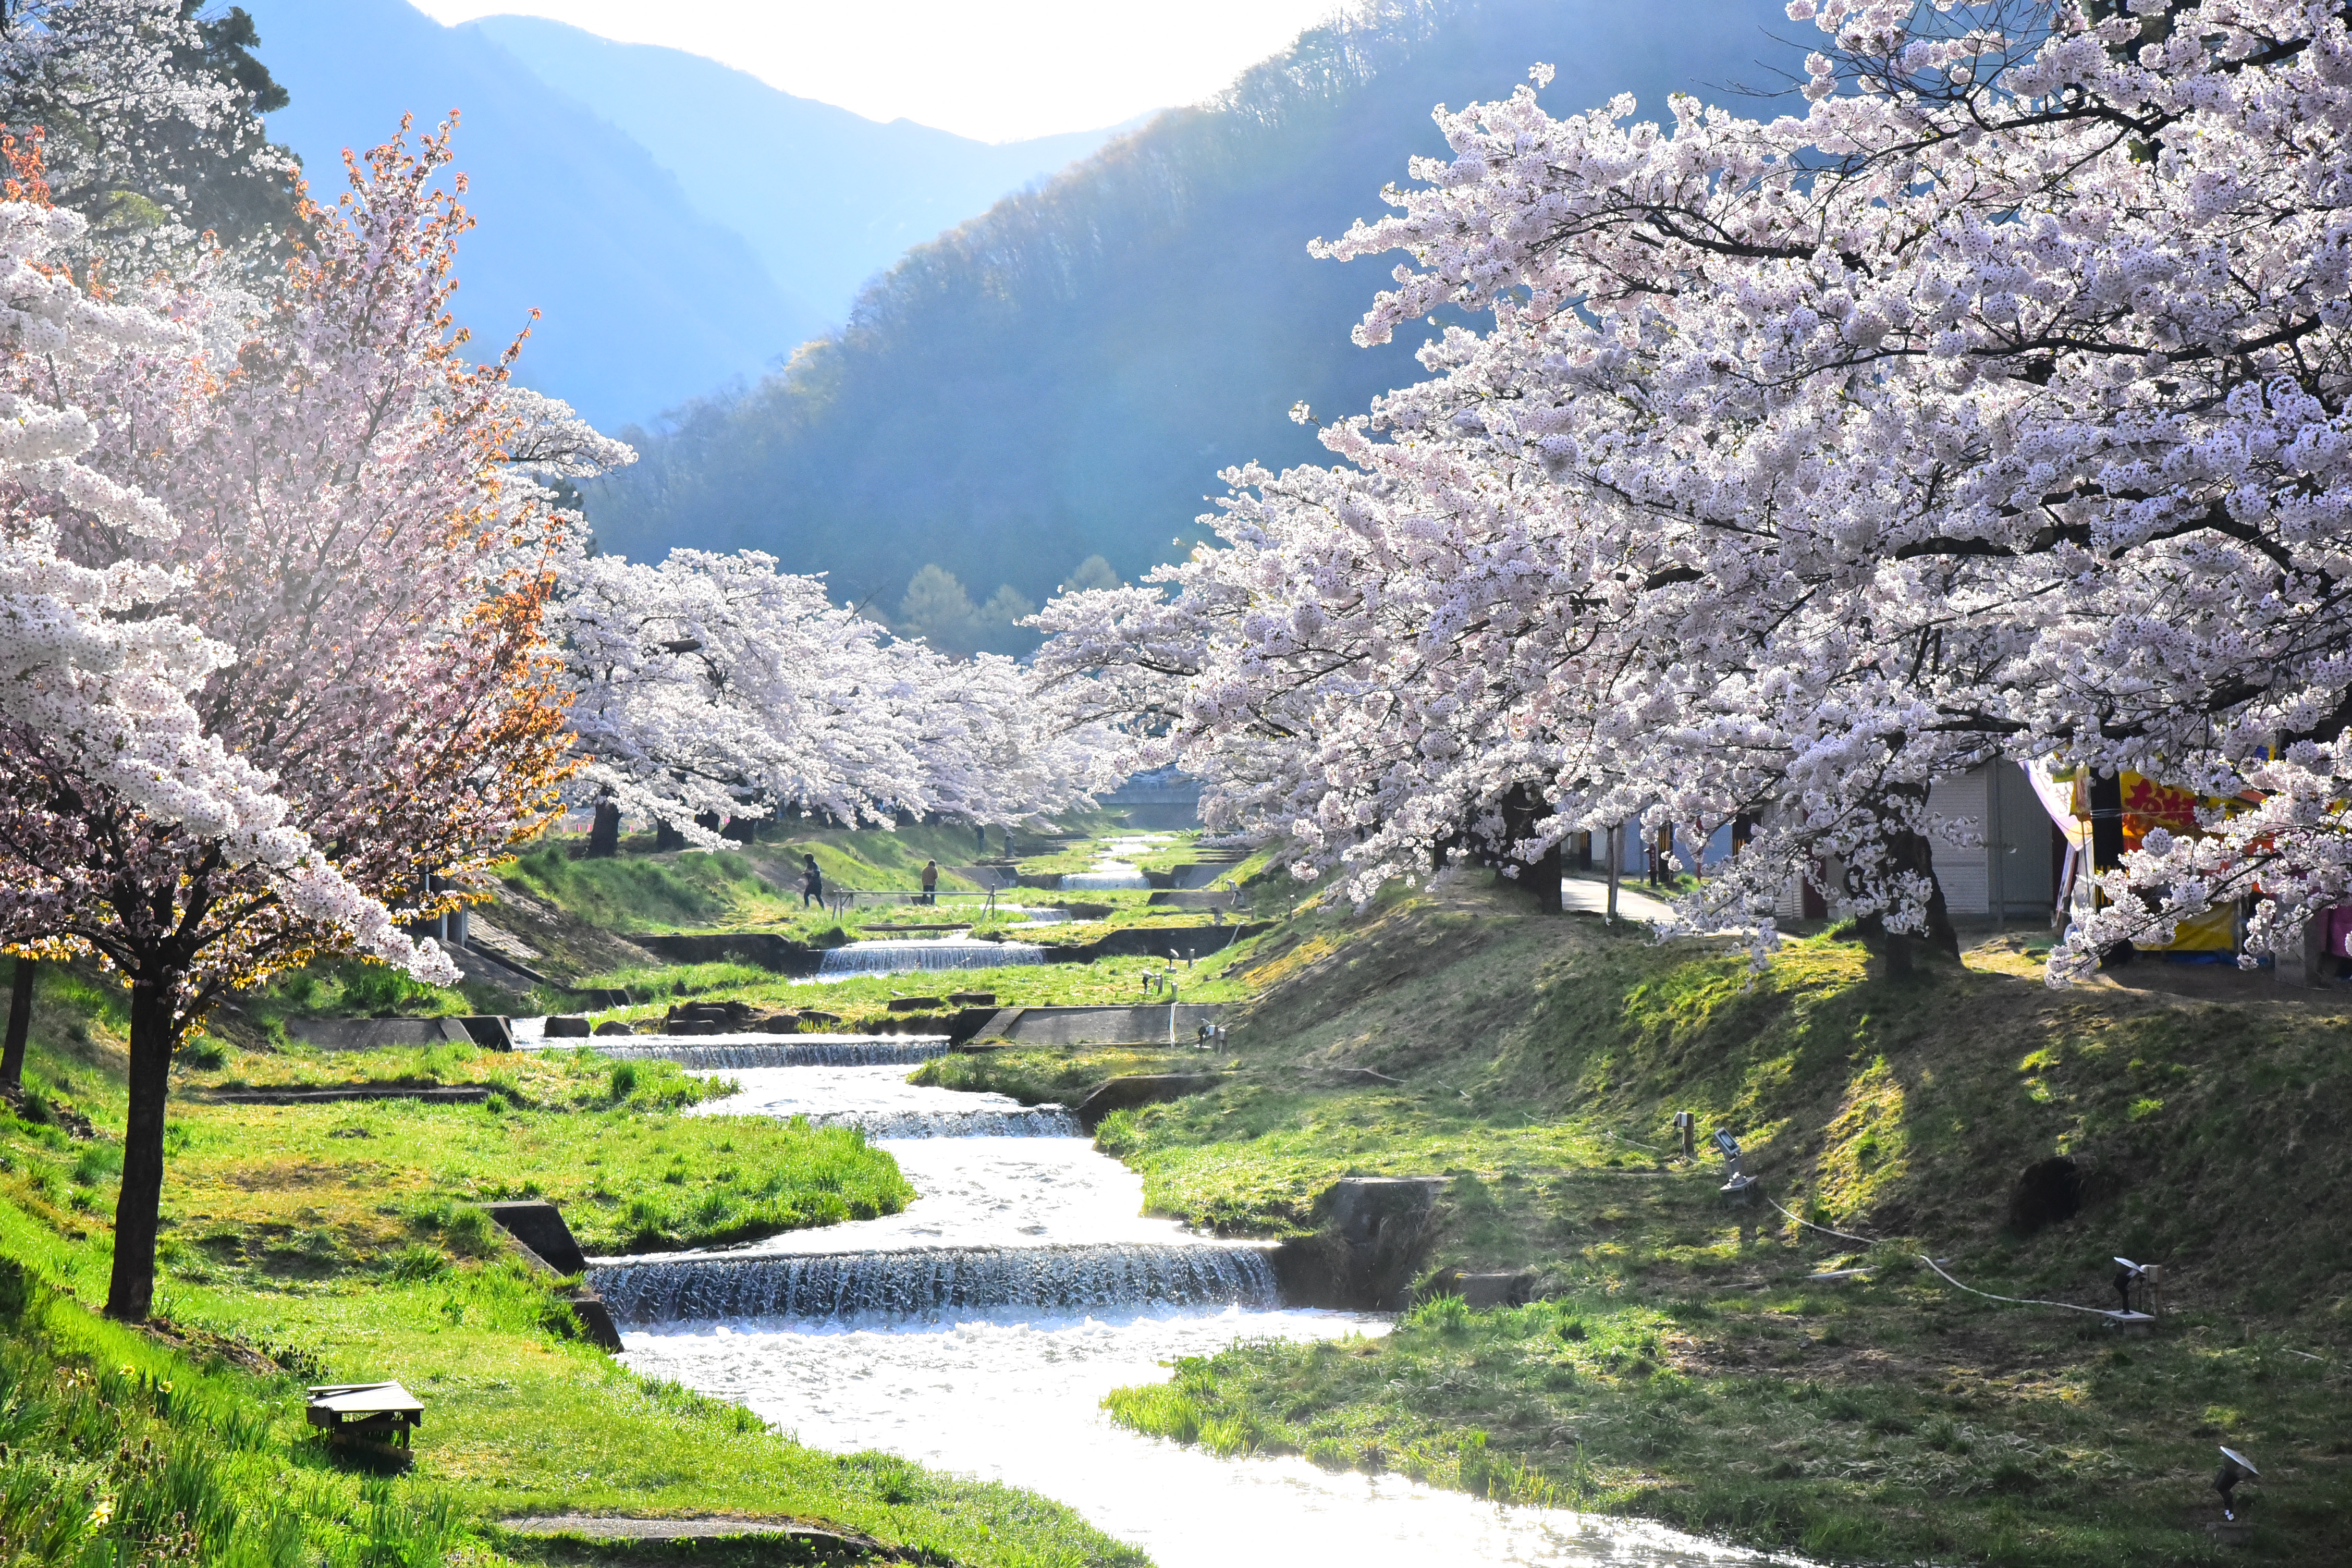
[[930, 882], [812, 883]]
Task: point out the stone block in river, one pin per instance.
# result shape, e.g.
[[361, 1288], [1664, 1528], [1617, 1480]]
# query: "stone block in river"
[[1375, 1231]]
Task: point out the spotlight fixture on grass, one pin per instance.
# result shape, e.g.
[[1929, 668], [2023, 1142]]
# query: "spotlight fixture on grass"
[[1738, 1186], [2235, 1468], [2147, 1279]]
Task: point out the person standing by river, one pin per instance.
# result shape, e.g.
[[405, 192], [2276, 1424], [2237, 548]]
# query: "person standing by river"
[[930, 882], [812, 882]]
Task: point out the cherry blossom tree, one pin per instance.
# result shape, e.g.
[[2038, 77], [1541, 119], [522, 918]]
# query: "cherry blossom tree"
[[1989, 406], [347, 542]]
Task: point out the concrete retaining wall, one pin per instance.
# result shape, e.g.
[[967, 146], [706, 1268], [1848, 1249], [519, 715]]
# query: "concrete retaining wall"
[[1100, 1025], [764, 949], [370, 1034], [1155, 942]]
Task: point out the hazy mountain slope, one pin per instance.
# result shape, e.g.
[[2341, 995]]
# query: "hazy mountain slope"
[[1066, 374], [828, 198], [645, 302]]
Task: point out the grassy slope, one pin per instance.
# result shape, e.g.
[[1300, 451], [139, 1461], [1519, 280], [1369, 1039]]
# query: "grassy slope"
[[350, 1258], [1683, 1369]]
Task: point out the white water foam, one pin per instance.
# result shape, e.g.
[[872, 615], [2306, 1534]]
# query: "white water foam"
[[924, 953], [976, 1191]]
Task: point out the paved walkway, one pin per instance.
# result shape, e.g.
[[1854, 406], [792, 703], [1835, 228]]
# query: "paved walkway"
[[1591, 896]]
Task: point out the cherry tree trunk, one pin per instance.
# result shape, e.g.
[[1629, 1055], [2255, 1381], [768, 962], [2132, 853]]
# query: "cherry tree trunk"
[[20, 1024], [604, 834], [154, 1036], [667, 837], [1912, 852]]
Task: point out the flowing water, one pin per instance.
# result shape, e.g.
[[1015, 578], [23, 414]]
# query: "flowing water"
[[720, 1053], [1110, 869], [978, 1331], [924, 953]]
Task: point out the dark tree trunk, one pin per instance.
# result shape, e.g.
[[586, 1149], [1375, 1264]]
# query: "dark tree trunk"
[[154, 1036], [668, 838], [1912, 852], [20, 1024], [604, 836], [1523, 808]]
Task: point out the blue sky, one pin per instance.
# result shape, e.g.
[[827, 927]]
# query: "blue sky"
[[997, 70]]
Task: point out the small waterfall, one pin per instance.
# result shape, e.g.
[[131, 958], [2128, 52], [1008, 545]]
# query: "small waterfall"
[[1029, 1121], [920, 1284], [1106, 875], [943, 953], [847, 1053]]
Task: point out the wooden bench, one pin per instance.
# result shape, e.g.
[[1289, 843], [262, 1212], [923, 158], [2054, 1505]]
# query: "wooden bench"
[[377, 1416]]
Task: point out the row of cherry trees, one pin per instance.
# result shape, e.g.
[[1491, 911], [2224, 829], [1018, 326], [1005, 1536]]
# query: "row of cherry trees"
[[1990, 407], [713, 688]]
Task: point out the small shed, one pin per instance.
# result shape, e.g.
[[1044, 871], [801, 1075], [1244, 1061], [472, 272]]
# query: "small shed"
[[383, 1413]]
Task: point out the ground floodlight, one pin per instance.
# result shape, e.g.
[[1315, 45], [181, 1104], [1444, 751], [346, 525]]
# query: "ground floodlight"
[[2235, 1468], [1736, 1183], [2127, 1275]]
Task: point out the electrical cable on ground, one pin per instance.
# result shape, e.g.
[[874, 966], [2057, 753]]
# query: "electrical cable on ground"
[[1825, 1230], [1637, 1143], [2014, 1300]]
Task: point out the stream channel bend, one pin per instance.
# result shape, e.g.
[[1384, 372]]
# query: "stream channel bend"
[[977, 1331]]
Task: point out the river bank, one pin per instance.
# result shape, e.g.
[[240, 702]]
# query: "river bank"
[[1681, 1362]]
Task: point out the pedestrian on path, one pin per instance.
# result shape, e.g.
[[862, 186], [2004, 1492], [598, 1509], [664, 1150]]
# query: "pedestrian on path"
[[930, 882], [812, 883]]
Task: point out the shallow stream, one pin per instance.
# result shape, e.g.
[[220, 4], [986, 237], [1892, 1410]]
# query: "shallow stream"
[[1023, 1284]]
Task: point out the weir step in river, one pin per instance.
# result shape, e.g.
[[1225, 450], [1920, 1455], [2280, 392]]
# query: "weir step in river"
[[978, 1331], [932, 953], [705, 1055], [937, 1281]]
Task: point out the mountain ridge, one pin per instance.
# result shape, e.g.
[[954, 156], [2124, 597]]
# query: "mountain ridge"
[[652, 293], [1062, 377]]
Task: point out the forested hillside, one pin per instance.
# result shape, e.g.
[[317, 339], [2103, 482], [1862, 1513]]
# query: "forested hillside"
[[1065, 376]]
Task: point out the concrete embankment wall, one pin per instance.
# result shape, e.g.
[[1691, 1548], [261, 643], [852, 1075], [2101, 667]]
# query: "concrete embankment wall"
[[1099, 1025]]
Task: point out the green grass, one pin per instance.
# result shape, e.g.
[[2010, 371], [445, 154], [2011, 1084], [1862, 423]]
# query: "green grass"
[[1727, 1410], [652, 892], [1060, 1077], [1680, 1367], [118, 1449], [857, 998], [260, 1192], [192, 1436]]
